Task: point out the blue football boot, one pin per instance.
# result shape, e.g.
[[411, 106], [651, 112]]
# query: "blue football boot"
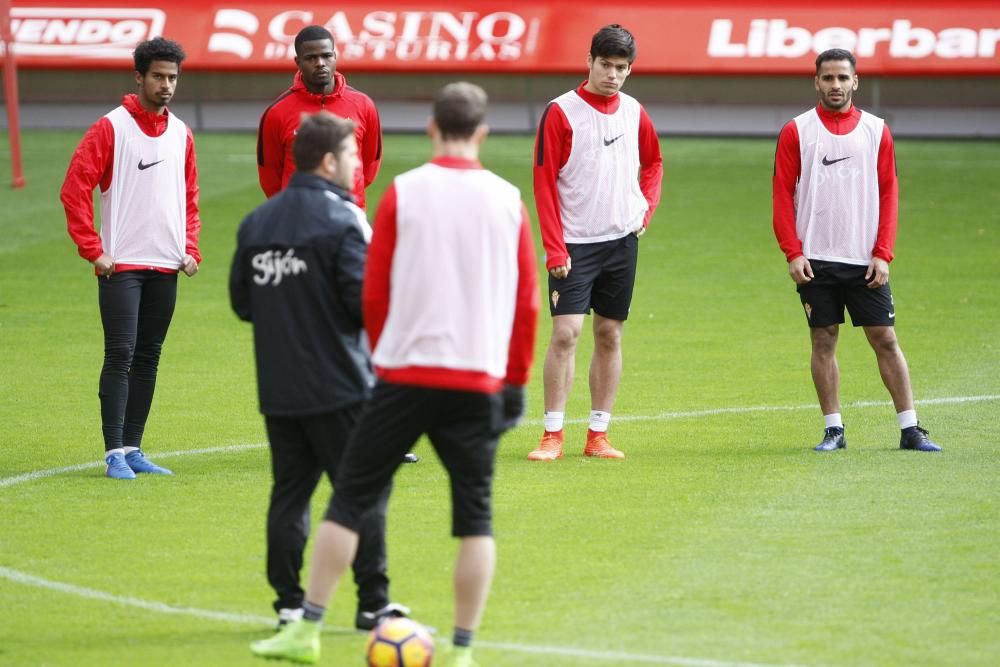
[[833, 439], [916, 438], [117, 468], [138, 462]]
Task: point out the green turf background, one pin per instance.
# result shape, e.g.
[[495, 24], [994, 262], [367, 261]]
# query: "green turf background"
[[721, 540]]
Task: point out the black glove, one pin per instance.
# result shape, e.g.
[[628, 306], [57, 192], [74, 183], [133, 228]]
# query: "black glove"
[[513, 405]]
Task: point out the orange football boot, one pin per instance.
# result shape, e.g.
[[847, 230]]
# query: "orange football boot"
[[549, 449], [599, 447]]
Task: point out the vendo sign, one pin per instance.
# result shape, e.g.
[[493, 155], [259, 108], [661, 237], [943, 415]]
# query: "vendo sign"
[[84, 33]]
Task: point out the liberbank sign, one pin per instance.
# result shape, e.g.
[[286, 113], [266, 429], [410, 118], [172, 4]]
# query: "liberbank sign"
[[920, 38]]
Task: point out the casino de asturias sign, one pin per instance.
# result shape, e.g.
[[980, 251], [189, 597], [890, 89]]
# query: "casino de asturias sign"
[[961, 37]]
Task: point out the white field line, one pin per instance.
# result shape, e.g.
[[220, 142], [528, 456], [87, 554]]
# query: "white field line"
[[621, 658], [584, 654], [711, 412], [39, 474], [250, 619], [159, 607], [663, 416]]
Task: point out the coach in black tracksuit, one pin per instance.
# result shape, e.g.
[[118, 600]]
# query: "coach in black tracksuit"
[[296, 276]]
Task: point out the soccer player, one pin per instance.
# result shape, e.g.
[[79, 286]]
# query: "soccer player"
[[317, 86], [296, 276], [835, 199], [597, 179], [450, 305], [142, 158]]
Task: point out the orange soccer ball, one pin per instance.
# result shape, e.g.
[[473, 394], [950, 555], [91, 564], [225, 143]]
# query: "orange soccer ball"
[[399, 642]]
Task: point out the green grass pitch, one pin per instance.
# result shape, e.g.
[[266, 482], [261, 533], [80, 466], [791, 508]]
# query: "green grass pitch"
[[721, 541]]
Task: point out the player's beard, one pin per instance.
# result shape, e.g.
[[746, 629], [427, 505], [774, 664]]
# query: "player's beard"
[[839, 103]]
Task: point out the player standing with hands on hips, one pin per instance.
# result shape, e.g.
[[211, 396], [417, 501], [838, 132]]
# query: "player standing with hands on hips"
[[597, 178], [142, 158], [450, 306], [835, 199]]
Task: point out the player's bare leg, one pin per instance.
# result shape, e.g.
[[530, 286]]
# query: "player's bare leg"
[[895, 374], [606, 364], [825, 370], [605, 375], [298, 640], [558, 372], [333, 553], [474, 568], [891, 366], [826, 378], [560, 360]]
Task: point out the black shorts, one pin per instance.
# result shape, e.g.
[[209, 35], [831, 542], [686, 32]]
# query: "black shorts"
[[601, 277], [464, 428], [836, 285]]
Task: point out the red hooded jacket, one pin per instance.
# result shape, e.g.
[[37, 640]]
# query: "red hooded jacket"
[[279, 122]]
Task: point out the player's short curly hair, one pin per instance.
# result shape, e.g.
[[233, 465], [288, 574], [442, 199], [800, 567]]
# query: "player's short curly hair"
[[157, 48], [613, 41], [836, 54]]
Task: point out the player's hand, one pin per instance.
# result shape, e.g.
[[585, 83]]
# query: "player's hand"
[[877, 274], [189, 266], [560, 272], [105, 265], [513, 405], [800, 270]]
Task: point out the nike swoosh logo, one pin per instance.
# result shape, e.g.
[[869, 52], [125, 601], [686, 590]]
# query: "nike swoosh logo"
[[608, 142], [147, 166], [827, 163], [891, 315]]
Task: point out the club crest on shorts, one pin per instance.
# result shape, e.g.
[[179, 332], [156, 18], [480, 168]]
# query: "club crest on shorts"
[[555, 298], [809, 311]]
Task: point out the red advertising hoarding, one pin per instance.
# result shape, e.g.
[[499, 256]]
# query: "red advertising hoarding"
[[776, 37]]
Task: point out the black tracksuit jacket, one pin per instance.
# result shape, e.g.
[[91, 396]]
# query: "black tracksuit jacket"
[[296, 275]]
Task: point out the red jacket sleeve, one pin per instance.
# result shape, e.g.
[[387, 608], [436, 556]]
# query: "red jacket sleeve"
[[552, 148], [90, 167], [522, 338], [377, 282], [787, 167], [371, 146], [650, 164], [888, 198], [270, 153], [193, 191]]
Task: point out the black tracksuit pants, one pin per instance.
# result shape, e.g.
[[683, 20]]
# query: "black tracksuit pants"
[[136, 309], [302, 449]]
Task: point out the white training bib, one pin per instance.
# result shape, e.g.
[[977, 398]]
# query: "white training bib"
[[144, 212], [599, 194], [837, 196]]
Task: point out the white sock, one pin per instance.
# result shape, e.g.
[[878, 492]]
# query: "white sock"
[[117, 450], [833, 419], [907, 418], [129, 450], [553, 421], [599, 421]]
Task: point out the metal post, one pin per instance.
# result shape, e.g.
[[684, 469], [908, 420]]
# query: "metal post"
[[10, 92]]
